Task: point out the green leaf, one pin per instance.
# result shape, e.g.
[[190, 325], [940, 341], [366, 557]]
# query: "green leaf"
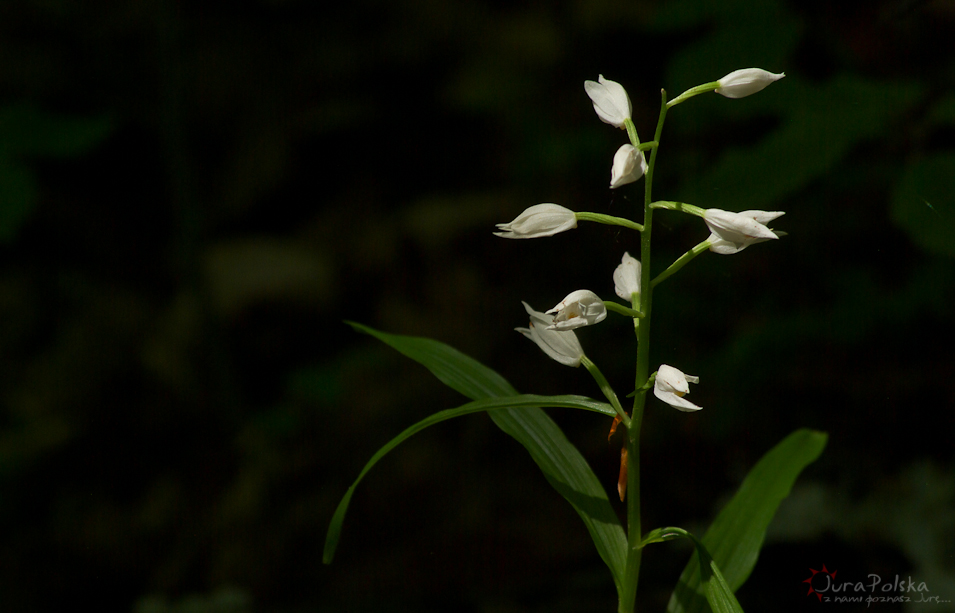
[[923, 204], [718, 593], [486, 404], [18, 195], [715, 587], [456, 370], [737, 533], [28, 131], [561, 462]]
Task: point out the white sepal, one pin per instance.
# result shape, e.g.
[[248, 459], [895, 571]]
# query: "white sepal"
[[561, 346], [742, 83], [626, 277], [610, 101], [538, 221], [578, 309], [671, 385], [733, 232], [628, 166]]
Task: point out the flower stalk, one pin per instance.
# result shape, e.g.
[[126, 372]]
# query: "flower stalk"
[[694, 91], [616, 307], [606, 389], [679, 206], [680, 262], [632, 133], [609, 220], [634, 530]]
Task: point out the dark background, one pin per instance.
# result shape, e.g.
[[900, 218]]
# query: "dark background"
[[195, 195]]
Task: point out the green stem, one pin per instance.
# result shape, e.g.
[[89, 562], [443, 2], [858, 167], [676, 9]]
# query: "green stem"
[[632, 132], [631, 577], [609, 220], [679, 206], [606, 389], [682, 261], [694, 91], [616, 307]]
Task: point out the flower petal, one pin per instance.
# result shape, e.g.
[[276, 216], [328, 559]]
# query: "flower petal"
[[578, 309], [676, 402], [671, 385], [539, 221], [610, 101], [733, 232], [626, 277], [763, 217], [560, 346], [735, 227]]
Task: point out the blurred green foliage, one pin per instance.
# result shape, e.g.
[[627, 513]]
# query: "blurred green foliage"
[[194, 196], [27, 133], [924, 203]]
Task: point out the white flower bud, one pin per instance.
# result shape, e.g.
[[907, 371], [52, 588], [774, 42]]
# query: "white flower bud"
[[537, 221], [610, 101], [742, 83], [628, 166], [626, 278]]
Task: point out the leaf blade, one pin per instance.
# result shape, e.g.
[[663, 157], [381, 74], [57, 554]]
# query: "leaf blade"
[[485, 404], [453, 368], [717, 591], [560, 461], [737, 533]]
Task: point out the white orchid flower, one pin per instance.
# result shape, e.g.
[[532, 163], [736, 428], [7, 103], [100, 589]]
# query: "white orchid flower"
[[578, 309], [628, 166], [610, 101], [671, 385], [626, 278], [742, 83], [561, 346], [538, 221], [733, 232]]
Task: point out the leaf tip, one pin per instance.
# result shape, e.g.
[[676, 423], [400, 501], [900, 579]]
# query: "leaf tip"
[[335, 527]]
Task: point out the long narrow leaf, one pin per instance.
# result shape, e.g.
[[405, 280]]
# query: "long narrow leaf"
[[736, 535], [487, 404], [714, 586], [561, 462], [456, 370], [718, 593]]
